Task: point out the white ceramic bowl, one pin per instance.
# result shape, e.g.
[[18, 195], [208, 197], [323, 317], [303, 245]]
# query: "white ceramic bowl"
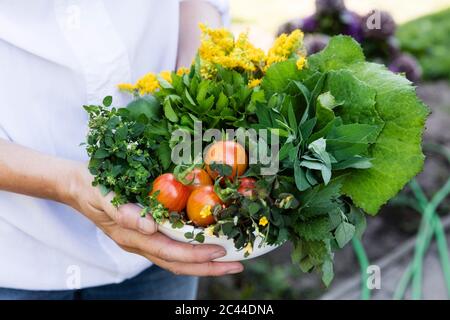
[[232, 253]]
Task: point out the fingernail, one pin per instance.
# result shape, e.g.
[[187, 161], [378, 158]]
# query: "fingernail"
[[235, 270], [218, 254], [146, 226]]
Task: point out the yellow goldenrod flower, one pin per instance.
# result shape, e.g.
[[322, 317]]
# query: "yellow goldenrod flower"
[[284, 47], [166, 75], [205, 212], [183, 71], [248, 248], [263, 221], [147, 84], [301, 62], [219, 47], [129, 87], [253, 83]]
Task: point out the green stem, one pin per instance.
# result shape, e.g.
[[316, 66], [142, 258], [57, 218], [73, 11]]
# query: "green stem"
[[421, 240], [407, 275], [441, 240], [364, 264]]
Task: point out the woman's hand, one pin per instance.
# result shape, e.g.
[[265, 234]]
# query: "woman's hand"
[[139, 235]]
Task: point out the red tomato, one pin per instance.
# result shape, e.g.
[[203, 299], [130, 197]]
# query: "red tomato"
[[173, 194], [197, 178], [200, 205], [226, 152], [247, 187]]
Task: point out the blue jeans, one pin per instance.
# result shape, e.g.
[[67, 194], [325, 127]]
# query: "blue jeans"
[[153, 283]]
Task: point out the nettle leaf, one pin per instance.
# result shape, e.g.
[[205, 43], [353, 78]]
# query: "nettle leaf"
[[358, 219], [320, 199], [327, 272], [344, 233], [314, 229]]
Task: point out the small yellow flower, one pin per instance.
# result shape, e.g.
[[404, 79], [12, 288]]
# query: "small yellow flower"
[[129, 87], [248, 248], [301, 62], [166, 75], [253, 83], [183, 71], [205, 212], [209, 231], [263, 221]]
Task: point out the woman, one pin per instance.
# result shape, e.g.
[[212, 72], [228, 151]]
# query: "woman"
[[59, 237]]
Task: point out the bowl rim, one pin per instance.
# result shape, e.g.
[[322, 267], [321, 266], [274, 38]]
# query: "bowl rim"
[[190, 228]]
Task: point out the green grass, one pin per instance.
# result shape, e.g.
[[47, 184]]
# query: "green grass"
[[428, 38]]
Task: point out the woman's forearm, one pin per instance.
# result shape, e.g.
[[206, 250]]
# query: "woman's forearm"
[[28, 172], [192, 12]]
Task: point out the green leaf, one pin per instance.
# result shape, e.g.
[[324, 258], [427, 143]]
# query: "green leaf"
[[222, 169], [324, 109], [200, 237], [300, 177], [148, 106], [101, 153], [164, 154], [356, 162], [279, 76], [222, 102], [340, 52], [253, 208], [169, 112], [107, 101], [397, 154], [354, 133], [358, 100], [327, 272], [358, 219], [344, 233], [189, 235], [314, 229], [321, 199]]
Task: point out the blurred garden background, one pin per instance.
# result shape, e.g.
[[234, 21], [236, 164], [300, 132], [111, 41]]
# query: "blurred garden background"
[[409, 238]]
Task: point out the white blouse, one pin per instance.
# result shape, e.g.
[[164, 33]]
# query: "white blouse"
[[55, 56]]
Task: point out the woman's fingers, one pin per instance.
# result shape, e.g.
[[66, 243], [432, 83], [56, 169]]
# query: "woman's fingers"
[[164, 248], [199, 269], [129, 216], [170, 250]]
